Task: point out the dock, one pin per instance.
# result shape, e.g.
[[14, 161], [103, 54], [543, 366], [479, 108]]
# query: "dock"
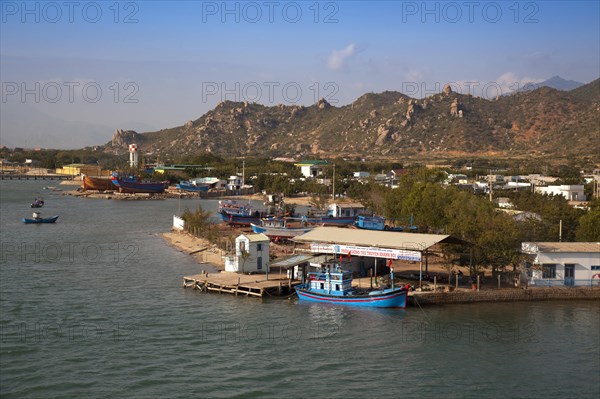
[[241, 284]]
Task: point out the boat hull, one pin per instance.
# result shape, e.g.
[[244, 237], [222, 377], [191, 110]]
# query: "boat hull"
[[98, 183], [391, 299], [332, 221], [40, 220], [238, 220], [193, 188], [131, 187], [280, 232]]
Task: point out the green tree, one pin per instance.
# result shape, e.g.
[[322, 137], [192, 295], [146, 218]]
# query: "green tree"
[[589, 224]]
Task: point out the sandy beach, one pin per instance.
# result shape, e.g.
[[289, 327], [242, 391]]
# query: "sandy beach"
[[202, 250]]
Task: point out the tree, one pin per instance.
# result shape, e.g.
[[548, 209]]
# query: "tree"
[[589, 224]]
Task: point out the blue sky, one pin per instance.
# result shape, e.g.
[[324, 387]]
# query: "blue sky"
[[159, 64]]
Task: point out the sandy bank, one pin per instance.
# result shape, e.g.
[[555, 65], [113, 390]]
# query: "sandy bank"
[[202, 250]]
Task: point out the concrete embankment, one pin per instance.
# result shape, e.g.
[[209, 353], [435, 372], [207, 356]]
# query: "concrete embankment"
[[505, 295]]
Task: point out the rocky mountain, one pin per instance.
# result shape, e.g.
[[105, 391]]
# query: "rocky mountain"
[[541, 123], [555, 82]]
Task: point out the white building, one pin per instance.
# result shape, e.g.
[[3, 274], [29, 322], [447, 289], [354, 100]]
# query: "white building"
[[570, 192], [361, 175], [346, 209], [311, 168], [234, 183], [564, 263], [251, 254]]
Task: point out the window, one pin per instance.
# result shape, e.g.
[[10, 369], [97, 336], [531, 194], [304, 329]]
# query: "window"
[[595, 267], [549, 271], [259, 247]]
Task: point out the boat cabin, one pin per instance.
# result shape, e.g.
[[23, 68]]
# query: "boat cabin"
[[330, 282]]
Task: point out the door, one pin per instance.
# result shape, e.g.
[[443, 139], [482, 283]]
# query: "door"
[[569, 274], [259, 263]]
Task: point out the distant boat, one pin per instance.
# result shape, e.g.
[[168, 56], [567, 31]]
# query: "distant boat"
[[192, 186], [379, 223], [279, 228], [134, 186], [38, 219], [98, 183], [37, 203], [335, 287], [237, 214]]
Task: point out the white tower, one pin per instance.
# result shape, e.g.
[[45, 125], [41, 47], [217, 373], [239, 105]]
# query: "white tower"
[[133, 156]]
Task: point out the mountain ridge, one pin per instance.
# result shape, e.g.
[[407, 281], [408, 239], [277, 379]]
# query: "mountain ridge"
[[541, 122]]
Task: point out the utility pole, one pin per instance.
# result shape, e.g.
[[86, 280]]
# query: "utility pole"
[[334, 181]]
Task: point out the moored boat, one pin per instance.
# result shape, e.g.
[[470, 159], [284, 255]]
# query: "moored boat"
[[192, 186], [98, 183], [279, 228], [335, 287], [237, 214], [134, 186]]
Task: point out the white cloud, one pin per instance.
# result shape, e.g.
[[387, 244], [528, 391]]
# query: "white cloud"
[[509, 82], [337, 58]]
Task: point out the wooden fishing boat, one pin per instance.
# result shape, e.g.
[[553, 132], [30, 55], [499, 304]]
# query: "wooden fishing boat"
[[98, 183], [335, 287], [134, 186], [277, 229], [236, 214], [192, 186]]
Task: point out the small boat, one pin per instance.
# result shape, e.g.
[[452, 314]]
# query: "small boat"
[[134, 186], [193, 186], [37, 218], [335, 287], [280, 229], [37, 203], [98, 183]]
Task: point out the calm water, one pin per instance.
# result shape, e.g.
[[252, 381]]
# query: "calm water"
[[93, 307]]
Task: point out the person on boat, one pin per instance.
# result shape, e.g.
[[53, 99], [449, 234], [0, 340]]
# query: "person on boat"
[[37, 215]]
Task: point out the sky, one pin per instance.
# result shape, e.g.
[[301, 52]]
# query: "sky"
[[73, 72]]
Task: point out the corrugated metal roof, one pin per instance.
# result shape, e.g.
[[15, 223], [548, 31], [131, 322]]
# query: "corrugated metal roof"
[[564, 246], [295, 260], [370, 238]]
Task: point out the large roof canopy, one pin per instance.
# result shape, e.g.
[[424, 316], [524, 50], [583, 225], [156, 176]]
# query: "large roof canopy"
[[380, 239]]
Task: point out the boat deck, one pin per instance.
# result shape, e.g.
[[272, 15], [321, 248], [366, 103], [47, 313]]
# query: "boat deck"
[[241, 284]]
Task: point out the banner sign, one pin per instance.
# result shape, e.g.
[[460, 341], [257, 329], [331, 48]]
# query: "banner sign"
[[373, 252]]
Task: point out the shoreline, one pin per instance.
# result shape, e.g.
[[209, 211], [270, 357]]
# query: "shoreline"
[[201, 250]]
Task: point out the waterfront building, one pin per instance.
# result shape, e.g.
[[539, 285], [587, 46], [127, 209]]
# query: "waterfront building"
[[563, 263], [251, 254]]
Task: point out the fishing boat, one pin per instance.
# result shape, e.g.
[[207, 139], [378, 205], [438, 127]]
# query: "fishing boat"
[[380, 223], [276, 228], [192, 186], [37, 203], [97, 183], [143, 186], [235, 214], [335, 287], [37, 218]]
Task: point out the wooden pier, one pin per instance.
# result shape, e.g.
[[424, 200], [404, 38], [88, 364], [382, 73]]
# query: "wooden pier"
[[241, 284]]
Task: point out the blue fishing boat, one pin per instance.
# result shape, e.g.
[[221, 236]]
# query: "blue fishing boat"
[[38, 219], [237, 214], [192, 186], [379, 223], [280, 228], [335, 287], [135, 186]]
